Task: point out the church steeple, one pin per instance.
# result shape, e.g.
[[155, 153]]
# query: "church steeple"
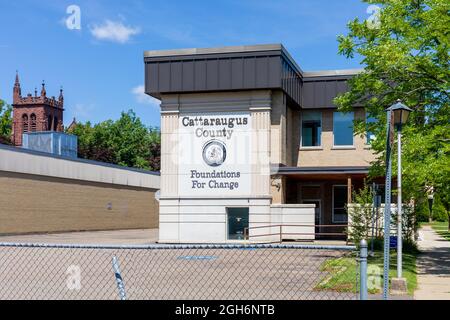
[[17, 91], [61, 96], [35, 113], [43, 92]]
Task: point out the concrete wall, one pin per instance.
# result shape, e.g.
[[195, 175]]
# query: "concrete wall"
[[297, 218], [38, 204], [204, 219], [43, 164]]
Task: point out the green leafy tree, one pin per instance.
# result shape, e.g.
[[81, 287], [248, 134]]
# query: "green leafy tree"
[[360, 214], [5, 122], [406, 56], [127, 142]]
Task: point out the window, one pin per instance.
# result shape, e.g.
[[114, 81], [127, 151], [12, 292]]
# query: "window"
[[311, 129], [339, 202], [370, 136], [55, 124], [33, 122], [49, 123], [25, 123], [343, 128]]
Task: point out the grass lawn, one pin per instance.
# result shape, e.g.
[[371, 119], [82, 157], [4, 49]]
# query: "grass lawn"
[[345, 270], [442, 229]]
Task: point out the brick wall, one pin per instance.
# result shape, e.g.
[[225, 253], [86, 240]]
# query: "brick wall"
[[39, 204], [326, 155]]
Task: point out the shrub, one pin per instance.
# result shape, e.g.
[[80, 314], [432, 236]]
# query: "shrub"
[[360, 215], [361, 218]]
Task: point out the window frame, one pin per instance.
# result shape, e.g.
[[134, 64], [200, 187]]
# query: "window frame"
[[333, 220], [319, 147], [344, 146], [25, 123], [33, 123]]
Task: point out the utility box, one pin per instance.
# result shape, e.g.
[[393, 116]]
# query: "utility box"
[[57, 143]]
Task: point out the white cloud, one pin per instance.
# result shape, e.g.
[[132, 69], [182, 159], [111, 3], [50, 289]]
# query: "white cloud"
[[114, 31], [142, 97]]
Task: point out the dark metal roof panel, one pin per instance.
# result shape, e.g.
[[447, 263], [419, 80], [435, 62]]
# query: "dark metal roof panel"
[[319, 93], [241, 68]]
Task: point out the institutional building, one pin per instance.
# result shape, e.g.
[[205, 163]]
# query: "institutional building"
[[250, 141]]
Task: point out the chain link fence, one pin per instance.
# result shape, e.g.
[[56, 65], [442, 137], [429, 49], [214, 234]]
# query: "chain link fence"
[[191, 272]]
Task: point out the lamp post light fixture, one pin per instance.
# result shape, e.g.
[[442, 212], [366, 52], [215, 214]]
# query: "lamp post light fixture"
[[400, 116], [430, 196]]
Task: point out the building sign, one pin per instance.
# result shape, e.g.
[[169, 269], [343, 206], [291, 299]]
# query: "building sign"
[[214, 156]]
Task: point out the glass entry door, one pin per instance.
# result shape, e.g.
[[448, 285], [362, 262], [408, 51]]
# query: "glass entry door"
[[237, 222], [317, 214]]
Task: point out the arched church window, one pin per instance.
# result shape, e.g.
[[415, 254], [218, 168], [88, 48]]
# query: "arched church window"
[[49, 123], [33, 122], [55, 124], [25, 123]]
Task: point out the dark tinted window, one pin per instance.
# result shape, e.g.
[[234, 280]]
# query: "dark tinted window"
[[311, 129], [339, 202], [343, 128]]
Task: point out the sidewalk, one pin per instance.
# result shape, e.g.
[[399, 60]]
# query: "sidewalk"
[[119, 237], [433, 266]]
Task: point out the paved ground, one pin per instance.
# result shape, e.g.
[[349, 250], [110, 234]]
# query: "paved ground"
[[268, 274], [139, 236], [433, 266], [51, 273]]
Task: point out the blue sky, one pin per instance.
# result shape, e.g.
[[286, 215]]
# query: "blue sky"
[[101, 66]]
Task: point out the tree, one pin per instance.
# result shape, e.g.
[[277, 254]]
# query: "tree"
[[127, 142], [406, 56], [360, 214], [5, 122]]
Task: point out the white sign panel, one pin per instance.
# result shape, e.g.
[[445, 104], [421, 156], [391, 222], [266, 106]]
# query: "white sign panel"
[[214, 156]]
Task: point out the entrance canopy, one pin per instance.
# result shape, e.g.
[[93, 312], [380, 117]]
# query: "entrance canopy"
[[323, 173]]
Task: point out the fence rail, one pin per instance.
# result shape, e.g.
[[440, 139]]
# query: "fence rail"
[[222, 271], [280, 233]]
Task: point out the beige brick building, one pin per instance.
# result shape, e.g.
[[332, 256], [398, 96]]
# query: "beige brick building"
[[304, 158]]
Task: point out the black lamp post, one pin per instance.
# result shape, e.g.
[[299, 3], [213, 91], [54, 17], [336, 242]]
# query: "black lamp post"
[[400, 116]]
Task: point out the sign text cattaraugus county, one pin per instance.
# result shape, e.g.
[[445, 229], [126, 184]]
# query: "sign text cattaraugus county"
[[218, 179]]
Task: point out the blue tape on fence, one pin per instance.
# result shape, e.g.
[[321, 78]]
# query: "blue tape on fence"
[[197, 258]]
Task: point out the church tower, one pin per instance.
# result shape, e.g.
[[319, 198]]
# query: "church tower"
[[35, 113]]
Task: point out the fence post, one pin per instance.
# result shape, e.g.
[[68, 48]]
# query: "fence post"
[[363, 270], [119, 280]]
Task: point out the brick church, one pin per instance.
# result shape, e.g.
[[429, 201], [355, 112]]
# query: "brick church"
[[35, 113]]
